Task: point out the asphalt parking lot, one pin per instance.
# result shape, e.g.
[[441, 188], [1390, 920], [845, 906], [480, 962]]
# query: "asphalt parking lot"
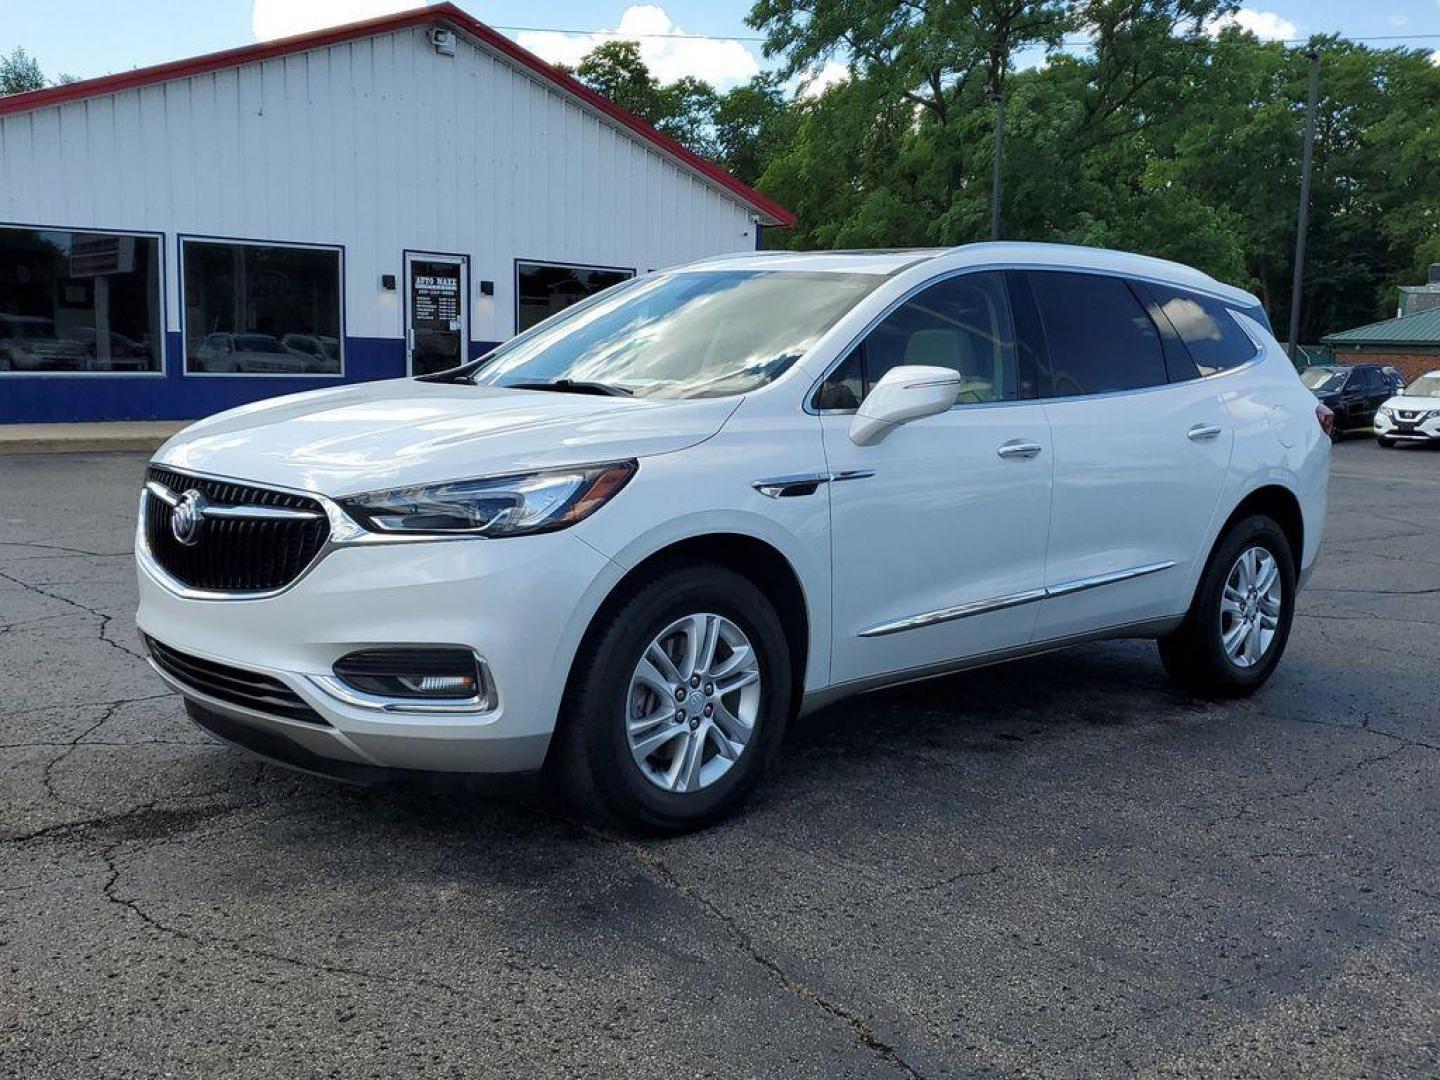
[[1060, 867]]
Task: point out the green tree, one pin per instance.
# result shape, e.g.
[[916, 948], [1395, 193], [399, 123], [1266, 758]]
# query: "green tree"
[[20, 72]]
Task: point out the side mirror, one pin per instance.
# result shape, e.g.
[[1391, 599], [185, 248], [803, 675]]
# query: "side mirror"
[[903, 394]]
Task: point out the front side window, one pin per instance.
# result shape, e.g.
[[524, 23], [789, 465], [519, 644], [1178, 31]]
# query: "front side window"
[[543, 289], [681, 335], [1099, 338], [260, 308], [1215, 340], [962, 323], [79, 302]]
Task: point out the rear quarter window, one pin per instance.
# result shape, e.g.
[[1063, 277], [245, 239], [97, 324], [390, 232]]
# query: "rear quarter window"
[[1206, 326]]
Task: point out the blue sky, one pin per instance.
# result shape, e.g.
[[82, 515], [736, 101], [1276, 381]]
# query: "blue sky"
[[96, 37]]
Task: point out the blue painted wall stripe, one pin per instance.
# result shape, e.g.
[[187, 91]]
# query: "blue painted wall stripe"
[[174, 396]]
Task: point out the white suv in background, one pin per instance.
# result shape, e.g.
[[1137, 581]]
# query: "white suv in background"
[[636, 539], [1413, 415]]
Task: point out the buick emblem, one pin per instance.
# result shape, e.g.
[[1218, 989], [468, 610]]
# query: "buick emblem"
[[187, 517]]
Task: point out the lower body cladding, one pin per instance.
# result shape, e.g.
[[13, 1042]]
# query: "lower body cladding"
[[1394, 429], [260, 672]]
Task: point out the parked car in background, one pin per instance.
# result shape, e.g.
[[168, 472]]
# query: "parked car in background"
[[254, 354], [322, 353], [633, 541], [29, 343], [126, 354], [1413, 416], [1353, 392]]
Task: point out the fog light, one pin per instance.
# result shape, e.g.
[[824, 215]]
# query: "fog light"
[[418, 673]]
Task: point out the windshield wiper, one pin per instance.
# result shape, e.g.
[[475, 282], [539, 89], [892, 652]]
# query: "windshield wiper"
[[573, 386]]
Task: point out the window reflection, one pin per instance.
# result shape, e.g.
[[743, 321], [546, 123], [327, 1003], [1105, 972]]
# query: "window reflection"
[[257, 309], [544, 289], [79, 301]]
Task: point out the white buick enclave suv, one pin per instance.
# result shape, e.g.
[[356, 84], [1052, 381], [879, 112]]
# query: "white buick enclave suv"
[[636, 539]]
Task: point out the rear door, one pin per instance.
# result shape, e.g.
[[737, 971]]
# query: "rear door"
[[1142, 448]]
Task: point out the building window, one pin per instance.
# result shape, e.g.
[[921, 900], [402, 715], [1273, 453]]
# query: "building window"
[[542, 289], [261, 309], [74, 301]]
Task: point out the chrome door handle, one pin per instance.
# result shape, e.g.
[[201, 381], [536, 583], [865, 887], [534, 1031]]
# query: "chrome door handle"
[[1203, 433], [1016, 448]]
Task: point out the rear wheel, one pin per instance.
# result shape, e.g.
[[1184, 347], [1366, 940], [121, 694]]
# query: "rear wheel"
[[677, 704], [1239, 621]]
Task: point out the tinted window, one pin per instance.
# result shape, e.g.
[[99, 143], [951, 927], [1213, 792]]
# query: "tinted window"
[[1205, 325], [79, 301], [961, 323], [261, 293], [1099, 338], [542, 289]]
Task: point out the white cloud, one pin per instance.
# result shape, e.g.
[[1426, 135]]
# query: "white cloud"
[[1265, 25], [1398, 21], [1435, 58], [723, 64], [272, 19], [815, 83]]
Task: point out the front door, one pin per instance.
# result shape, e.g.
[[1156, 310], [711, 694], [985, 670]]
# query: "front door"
[[938, 531], [437, 331]]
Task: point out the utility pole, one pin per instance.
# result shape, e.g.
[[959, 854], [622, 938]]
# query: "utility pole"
[[997, 183], [1306, 160]]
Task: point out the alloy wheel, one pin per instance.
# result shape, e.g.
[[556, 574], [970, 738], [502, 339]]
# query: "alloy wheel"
[[693, 702], [1250, 607]]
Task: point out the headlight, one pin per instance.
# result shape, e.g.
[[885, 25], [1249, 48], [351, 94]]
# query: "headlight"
[[496, 505], [1386, 410]]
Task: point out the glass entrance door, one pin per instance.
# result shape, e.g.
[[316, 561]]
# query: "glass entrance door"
[[438, 327]]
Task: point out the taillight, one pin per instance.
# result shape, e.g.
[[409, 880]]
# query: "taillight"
[[1326, 416]]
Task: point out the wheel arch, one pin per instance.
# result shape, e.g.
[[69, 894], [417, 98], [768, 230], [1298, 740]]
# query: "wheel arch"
[[1275, 501], [751, 556]]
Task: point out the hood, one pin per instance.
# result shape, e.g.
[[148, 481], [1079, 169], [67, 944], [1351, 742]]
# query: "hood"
[[390, 434], [1413, 404]]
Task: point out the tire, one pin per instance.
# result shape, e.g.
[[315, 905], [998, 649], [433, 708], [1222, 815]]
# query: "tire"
[[610, 694], [1195, 654], [1384, 442]]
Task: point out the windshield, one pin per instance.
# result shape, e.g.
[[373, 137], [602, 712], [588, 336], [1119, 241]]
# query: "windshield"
[[1323, 378], [1425, 386], [682, 335]]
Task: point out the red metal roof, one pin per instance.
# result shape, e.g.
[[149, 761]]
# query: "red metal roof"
[[769, 210]]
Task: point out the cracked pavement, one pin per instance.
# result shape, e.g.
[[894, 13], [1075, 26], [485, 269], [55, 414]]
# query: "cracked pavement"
[[1060, 867]]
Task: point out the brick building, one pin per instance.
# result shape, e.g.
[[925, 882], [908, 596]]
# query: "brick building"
[[1410, 343]]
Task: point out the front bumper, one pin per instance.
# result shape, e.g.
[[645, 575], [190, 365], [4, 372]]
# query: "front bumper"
[[1388, 427], [522, 604]]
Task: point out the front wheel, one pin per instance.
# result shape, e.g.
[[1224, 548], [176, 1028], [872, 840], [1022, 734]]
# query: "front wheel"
[[1239, 622], [677, 702], [1384, 442]]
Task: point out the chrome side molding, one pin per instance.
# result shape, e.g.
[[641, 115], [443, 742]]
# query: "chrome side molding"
[[1096, 580], [788, 487], [959, 611], [1000, 603]]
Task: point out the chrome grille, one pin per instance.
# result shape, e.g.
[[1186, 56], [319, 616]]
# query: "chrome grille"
[[232, 552]]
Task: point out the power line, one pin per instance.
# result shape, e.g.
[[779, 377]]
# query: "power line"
[[756, 39], [624, 34]]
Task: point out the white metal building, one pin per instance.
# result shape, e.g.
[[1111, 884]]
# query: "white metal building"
[[387, 197]]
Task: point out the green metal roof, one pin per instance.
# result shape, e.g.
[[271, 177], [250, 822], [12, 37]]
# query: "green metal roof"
[[1422, 328]]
